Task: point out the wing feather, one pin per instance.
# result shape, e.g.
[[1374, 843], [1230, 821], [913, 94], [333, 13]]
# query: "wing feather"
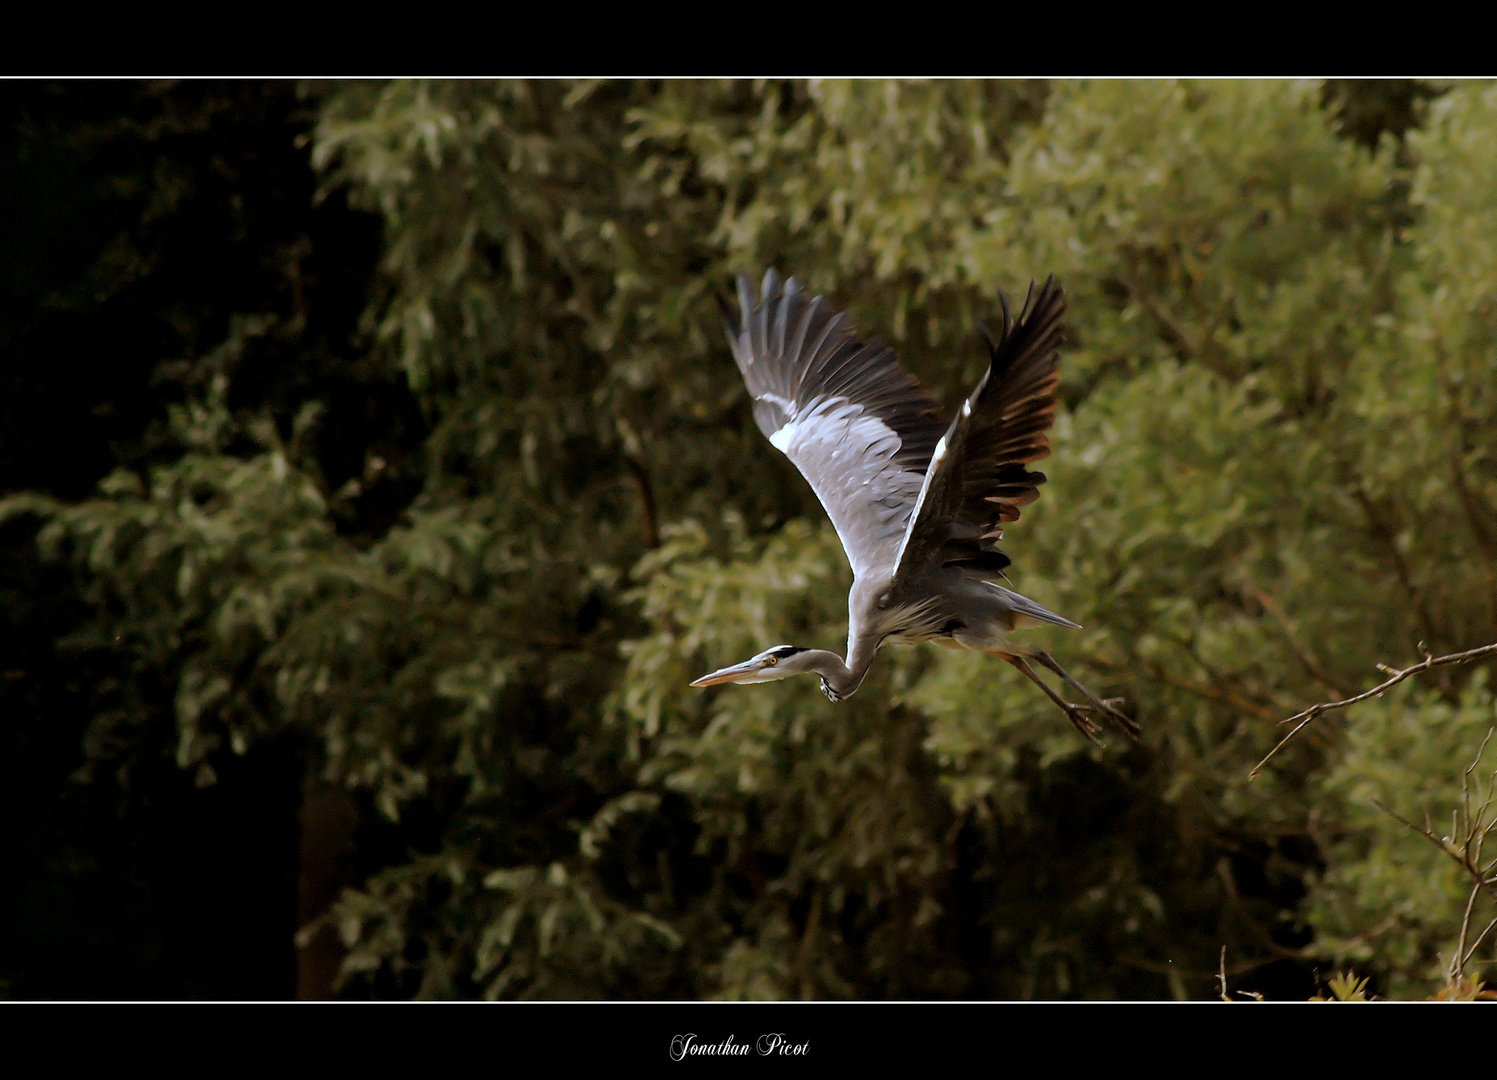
[[860, 428], [979, 479]]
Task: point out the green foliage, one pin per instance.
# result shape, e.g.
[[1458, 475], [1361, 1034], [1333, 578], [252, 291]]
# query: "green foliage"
[[1274, 470], [145, 223], [1387, 896], [1345, 987]]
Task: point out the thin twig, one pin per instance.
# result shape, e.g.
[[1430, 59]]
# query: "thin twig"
[[1425, 830], [1384, 536], [1457, 958], [1477, 943], [1172, 325], [1466, 852], [1234, 899], [1306, 658], [647, 501], [1301, 719], [1485, 543], [1210, 693], [1471, 501], [1177, 329]]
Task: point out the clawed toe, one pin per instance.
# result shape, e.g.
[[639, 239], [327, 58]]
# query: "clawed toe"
[[1105, 710], [1114, 719], [1102, 705], [1084, 724]]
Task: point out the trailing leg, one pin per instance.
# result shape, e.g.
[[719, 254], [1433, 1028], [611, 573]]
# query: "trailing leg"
[[1111, 717], [1083, 723]]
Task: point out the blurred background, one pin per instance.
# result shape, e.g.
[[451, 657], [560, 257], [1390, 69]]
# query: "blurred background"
[[376, 476]]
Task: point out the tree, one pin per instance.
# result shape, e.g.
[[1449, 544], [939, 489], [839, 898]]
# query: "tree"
[[141, 218], [1269, 474]]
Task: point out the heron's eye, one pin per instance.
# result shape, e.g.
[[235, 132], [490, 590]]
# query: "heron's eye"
[[771, 661]]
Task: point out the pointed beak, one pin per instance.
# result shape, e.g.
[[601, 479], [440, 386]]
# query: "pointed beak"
[[728, 674]]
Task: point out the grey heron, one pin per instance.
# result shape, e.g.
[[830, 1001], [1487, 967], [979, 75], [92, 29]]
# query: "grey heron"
[[918, 504]]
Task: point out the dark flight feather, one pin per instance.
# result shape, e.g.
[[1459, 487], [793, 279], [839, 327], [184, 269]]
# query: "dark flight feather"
[[981, 479]]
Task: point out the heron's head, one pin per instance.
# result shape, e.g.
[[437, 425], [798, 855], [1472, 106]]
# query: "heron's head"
[[771, 665]]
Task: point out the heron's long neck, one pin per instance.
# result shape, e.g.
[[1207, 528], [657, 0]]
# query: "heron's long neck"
[[843, 679]]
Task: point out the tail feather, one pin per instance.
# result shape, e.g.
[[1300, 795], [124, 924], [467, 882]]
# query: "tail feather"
[[1024, 606]]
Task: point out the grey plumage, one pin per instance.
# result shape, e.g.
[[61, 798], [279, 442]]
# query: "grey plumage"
[[918, 504], [858, 426]]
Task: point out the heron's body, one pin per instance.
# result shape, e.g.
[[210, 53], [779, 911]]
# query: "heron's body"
[[918, 504]]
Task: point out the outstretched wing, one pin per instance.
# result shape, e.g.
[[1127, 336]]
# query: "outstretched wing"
[[977, 479], [856, 424]]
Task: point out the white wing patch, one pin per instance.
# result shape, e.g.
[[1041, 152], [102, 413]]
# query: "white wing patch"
[[930, 472], [784, 437], [847, 456]]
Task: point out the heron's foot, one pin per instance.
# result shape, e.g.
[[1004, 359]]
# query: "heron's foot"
[[1111, 717], [1103, 704], [1109, 711], [1084, 723]]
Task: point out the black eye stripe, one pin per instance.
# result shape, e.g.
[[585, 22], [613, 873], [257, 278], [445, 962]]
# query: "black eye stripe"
[[788, 650]]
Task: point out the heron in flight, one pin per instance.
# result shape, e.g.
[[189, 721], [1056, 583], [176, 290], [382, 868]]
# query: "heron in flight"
[[918, 504]]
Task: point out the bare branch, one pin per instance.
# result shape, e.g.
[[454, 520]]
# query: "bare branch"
[[1301, 719], [1425, 831], [1477, 943], [1457, 958], [1463, 845], [1221, 980]]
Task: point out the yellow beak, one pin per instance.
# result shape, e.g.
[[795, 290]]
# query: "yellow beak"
[[729, 674]]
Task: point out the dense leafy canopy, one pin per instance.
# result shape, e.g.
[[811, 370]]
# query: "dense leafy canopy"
[[1274, 469]]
